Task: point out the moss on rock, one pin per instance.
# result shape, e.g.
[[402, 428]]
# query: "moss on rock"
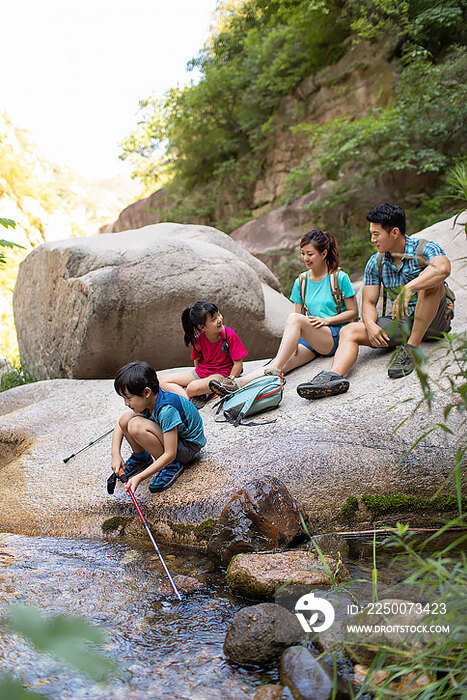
[[401, 502]]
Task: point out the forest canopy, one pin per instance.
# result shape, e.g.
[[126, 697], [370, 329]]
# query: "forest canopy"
[[213, 136]]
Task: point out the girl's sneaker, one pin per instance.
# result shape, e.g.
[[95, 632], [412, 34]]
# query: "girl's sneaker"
[[166, 477], [224, 386]]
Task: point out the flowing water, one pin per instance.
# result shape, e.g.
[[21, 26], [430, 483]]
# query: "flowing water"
[[163, 648]]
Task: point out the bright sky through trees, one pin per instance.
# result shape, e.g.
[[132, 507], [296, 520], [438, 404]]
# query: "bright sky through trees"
[[73, 72]]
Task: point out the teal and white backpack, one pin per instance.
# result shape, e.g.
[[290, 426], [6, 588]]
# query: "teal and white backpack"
[[259, 395]]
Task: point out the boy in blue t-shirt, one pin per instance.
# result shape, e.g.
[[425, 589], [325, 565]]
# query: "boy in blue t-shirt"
[[163, 429]]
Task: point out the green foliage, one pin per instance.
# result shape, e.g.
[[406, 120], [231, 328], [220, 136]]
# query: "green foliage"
[[420, 133], [217, 130], [209, 140], [16, 375], [7, 223], [441, 578], [70, 638]]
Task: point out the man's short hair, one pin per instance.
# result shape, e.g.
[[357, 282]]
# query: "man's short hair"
[[134, 377], [389, 216]]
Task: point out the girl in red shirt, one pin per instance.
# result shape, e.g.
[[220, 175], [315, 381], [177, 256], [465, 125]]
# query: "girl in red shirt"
[[217, 351]]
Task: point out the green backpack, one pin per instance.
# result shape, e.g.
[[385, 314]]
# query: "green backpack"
[[259, 395]]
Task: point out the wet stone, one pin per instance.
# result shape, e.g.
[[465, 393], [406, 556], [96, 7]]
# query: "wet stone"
[[258, 634], [307, 678], [259, 575], [263, 515]]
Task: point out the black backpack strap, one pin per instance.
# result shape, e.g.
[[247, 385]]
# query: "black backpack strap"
[[225, 347], [379, 260], [302, 283]]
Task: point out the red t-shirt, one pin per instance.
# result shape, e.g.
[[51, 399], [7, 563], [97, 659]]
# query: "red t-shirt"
[[213, 359]]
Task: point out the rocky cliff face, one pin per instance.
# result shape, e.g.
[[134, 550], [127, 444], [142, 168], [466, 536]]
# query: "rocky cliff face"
[[358, 82]]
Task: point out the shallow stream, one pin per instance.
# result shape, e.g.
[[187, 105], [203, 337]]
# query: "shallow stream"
[[164, 649]]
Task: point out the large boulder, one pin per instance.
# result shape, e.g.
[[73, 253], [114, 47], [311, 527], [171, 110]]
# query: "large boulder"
[[262, 515], [323, 451], [86, 306]]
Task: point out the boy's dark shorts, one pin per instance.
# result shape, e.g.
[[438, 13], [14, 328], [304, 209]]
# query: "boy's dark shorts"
[[399, 330], [186, 452]]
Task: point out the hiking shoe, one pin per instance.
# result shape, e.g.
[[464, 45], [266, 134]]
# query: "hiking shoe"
[[224, 386], [199, 401], [402, 364], [272, 371], [137, 462], [166, 477], [324, 384]]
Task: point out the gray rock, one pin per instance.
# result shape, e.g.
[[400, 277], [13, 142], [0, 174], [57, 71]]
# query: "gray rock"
[[323, 451], [261, 516], [258, 634], [399, 631], [307, 678], [261, 574], [86, 306]]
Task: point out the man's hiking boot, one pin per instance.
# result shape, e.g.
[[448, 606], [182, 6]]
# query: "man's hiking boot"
[[166, 477], [324, 384], [224, 386], [403, 363], [199, 401]]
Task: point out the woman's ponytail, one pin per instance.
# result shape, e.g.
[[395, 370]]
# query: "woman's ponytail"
[[332, 258], [323, 241]]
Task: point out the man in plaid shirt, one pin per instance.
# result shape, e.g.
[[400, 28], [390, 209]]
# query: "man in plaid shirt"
[[419, 306]]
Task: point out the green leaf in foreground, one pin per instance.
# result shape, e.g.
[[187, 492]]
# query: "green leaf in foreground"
[[70, 638]]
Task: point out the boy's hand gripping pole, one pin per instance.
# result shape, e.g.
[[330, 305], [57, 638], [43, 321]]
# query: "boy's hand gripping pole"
[[123, 478]]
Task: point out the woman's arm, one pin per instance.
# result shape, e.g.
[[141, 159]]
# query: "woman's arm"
[[350, 314]]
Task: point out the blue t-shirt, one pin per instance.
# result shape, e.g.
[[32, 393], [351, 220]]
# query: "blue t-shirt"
[[318, 296], [168, 417]]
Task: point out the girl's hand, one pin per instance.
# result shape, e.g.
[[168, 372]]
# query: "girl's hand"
[[317, 322], [117, 464]]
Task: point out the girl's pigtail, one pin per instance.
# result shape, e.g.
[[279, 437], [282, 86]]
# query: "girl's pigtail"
[[332, 258], [188, 326]]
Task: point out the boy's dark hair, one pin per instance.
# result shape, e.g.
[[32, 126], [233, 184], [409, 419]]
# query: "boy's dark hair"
[[389, 216], [135, 377], [323, 241], [195, 316]]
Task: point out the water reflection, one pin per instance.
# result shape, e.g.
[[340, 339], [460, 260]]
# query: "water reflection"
[[164, 649]]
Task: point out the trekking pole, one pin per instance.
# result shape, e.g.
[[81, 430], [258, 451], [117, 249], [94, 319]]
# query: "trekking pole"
[[123, 478], [93, 442]]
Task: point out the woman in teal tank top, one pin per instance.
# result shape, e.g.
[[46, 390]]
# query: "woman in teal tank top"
[[313, 329]]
